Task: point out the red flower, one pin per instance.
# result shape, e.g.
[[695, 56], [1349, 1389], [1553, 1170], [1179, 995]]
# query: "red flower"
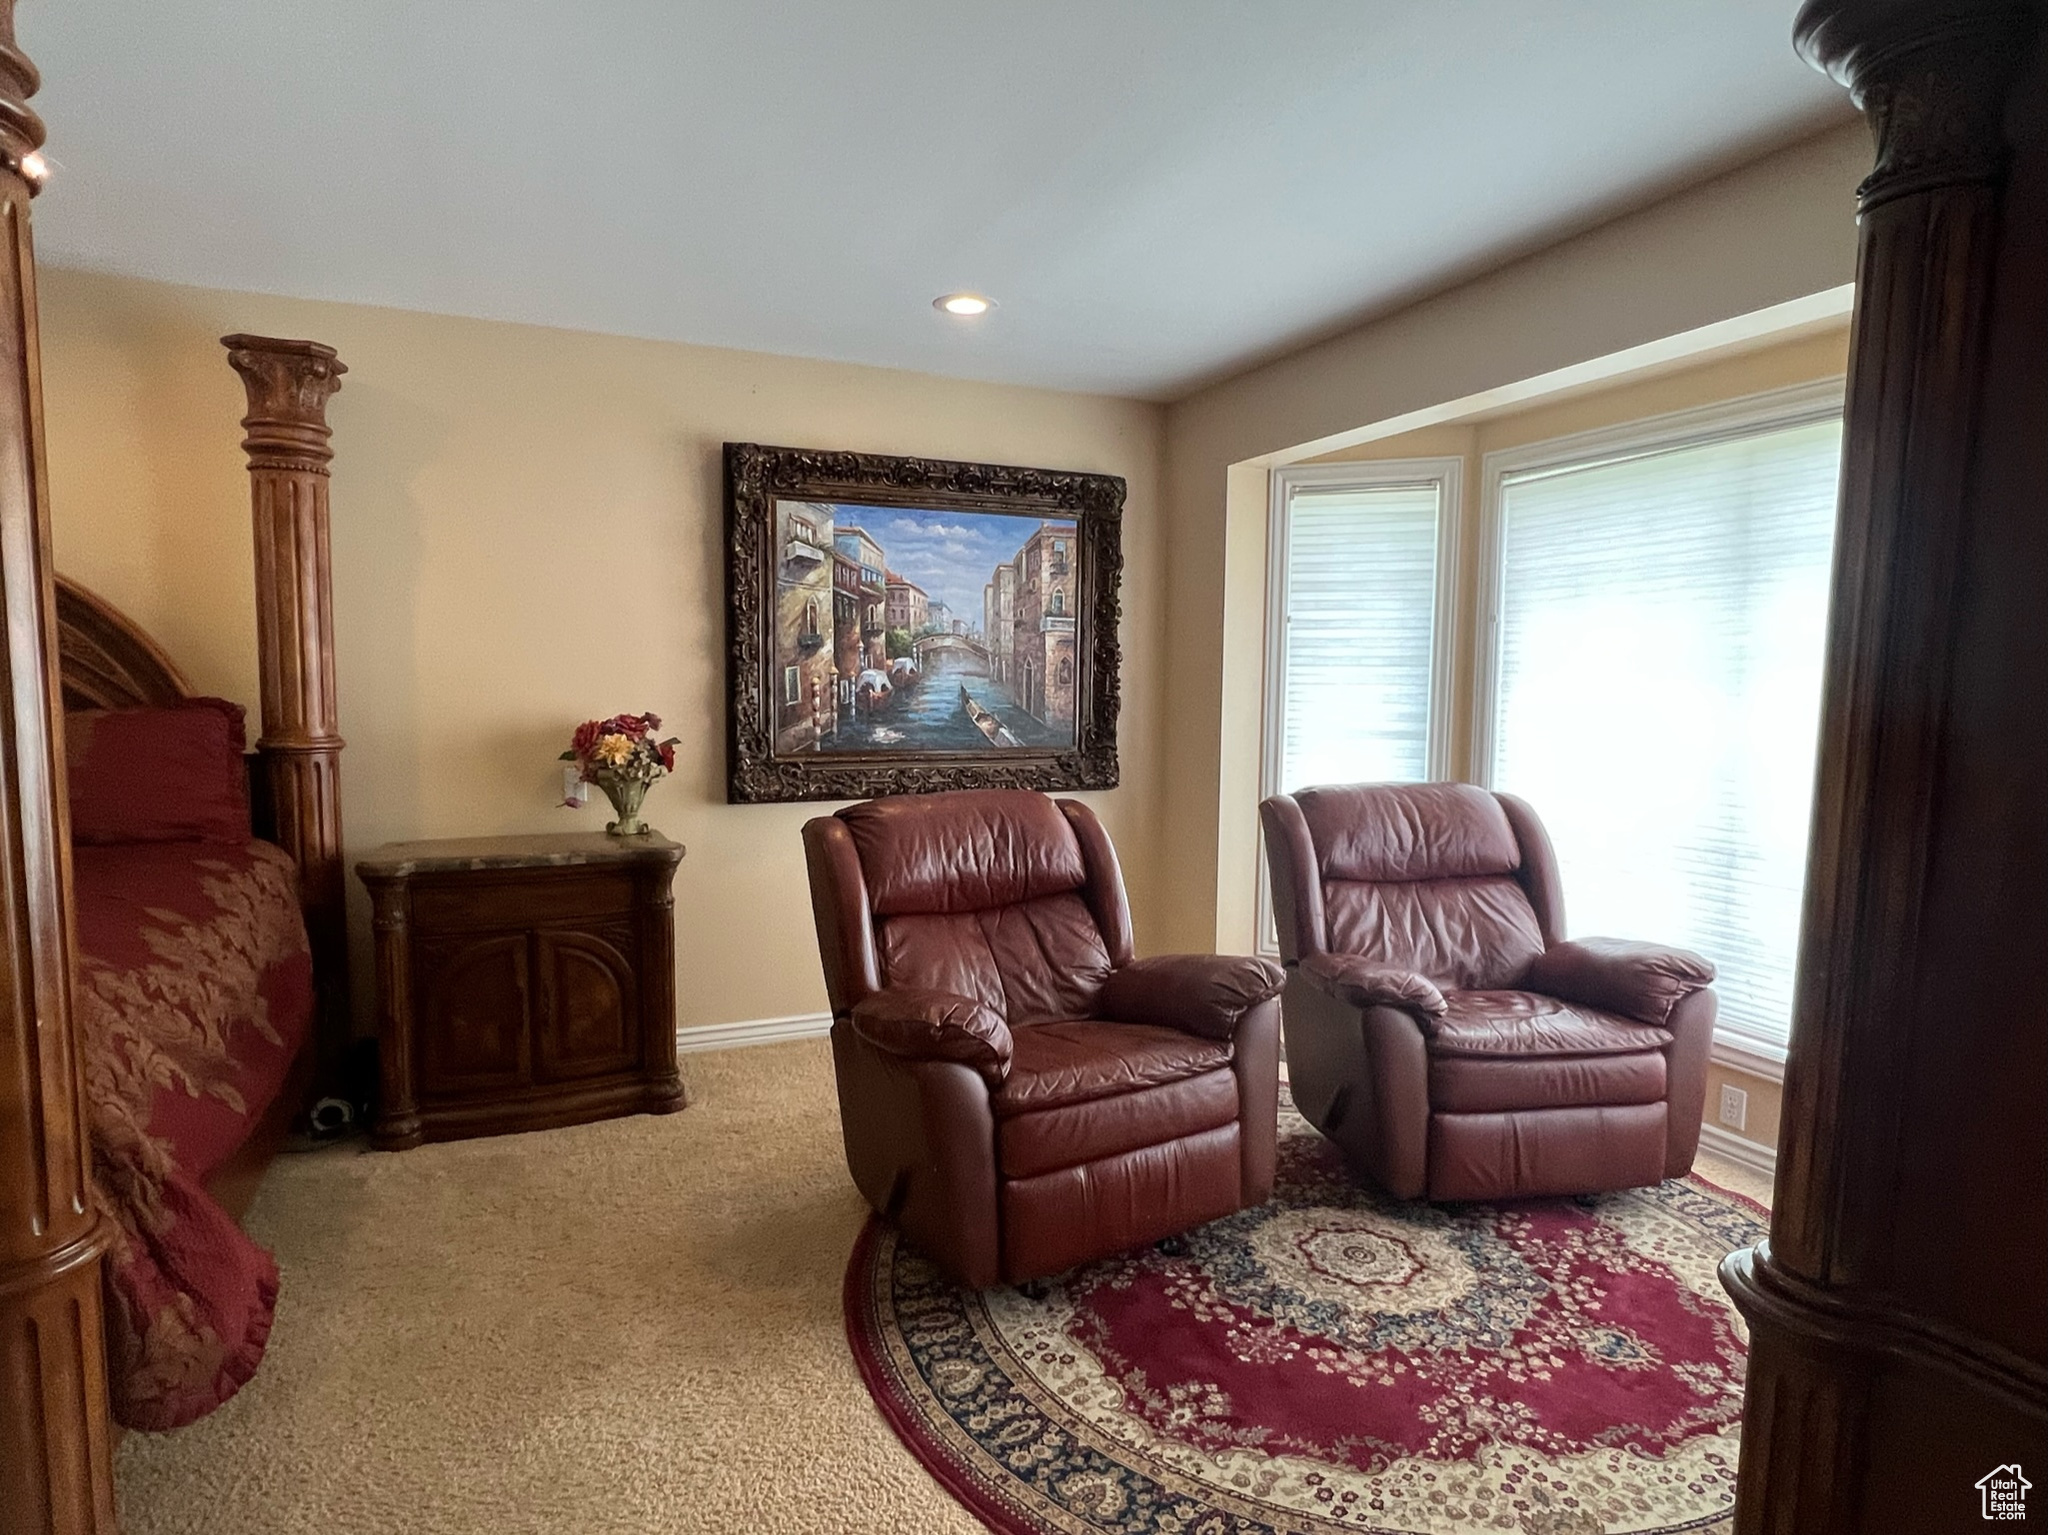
[[635, 727]]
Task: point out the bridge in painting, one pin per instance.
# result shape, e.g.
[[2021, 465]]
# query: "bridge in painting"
[[926, 646]]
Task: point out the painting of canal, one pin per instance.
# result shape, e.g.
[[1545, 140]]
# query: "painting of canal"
[[913, 631]]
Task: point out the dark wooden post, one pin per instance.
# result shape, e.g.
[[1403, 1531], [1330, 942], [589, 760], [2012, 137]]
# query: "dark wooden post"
[[55, 1448], [289, 384], [1900, 1306]]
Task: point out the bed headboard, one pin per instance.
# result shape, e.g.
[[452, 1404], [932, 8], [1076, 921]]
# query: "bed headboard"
[[106, 659]]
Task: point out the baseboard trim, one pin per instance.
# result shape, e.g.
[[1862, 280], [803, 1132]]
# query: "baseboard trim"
[[1739, 1149], [752, 1031], [1753, 1060]]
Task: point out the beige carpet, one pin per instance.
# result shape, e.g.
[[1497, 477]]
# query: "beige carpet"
[[625, 1327], [620, 1328]]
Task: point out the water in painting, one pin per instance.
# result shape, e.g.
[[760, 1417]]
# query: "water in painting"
[[905, 630]]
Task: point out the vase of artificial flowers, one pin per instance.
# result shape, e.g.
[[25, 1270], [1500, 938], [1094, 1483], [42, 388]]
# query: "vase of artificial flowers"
[[621, 756]]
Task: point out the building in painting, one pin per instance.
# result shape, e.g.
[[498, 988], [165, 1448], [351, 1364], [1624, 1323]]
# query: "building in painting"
[[1043, 664], [997, 601], [806, 691], [909, 607], [873, 587], [849, 649]]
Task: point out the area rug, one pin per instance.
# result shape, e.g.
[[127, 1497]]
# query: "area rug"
[[1335, 1360]]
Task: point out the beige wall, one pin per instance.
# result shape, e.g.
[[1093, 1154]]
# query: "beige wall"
[[1777, 232], [527, 527], [527, 532], [1822, 354]]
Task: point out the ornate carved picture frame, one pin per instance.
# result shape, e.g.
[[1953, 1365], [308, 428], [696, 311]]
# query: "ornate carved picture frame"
[[900, 625]]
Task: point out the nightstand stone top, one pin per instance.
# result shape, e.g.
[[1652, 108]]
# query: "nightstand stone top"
[[539, 850]]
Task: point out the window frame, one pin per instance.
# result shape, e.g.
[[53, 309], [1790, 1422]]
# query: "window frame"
[[1446, 473], [1750, 415]]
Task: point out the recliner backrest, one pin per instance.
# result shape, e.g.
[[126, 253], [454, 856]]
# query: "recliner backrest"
[[991, 894], [1425, 876]]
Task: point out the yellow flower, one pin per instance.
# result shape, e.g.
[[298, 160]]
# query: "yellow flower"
[[615, 749]]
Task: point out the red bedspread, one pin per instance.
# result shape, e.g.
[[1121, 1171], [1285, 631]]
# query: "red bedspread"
[[195, 992]]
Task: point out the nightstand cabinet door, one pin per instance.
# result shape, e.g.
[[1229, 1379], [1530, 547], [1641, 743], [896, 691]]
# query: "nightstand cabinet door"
[[589, 1008], [476, 1013]]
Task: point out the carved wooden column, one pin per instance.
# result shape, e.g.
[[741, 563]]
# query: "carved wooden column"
[[1900, 1306], [289, 384], [55, 1448]]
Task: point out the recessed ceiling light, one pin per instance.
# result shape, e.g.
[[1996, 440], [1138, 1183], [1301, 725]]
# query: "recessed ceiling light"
[[963, 303]]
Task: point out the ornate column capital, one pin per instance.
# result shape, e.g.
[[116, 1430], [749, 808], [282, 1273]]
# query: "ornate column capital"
[[289, 384], [1930, 75], [21, 131]]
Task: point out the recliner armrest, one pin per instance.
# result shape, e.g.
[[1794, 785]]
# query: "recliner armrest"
[[1205, 994], [1361, 982], [936, 1026], [1644, 981]]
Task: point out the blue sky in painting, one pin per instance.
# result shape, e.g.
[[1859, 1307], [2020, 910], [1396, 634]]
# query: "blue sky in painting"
[[948, 553]]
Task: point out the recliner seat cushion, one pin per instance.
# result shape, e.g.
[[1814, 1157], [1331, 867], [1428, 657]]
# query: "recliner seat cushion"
[[1521, 1024], [1045, 1141], [1492, 1084], [1056, 1064]]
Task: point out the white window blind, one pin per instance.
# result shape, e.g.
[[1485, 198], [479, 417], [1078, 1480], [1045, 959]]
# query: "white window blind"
[[1359, 640], [1657, 692]]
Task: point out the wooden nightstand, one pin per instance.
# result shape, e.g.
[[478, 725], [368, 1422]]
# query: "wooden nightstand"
[[522, 983]]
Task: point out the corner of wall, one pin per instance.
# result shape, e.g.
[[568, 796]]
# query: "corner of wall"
[[1769, 234]]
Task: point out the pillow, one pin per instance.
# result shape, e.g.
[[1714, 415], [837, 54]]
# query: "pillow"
[[171, 774]]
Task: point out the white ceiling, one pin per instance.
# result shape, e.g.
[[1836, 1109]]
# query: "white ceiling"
[[1157, 192]]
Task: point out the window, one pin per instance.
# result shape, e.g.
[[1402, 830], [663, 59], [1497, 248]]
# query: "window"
[[1357, 666], [1653, 683], [1358, 613]]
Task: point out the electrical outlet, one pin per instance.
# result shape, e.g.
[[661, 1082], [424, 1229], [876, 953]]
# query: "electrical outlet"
[[575, 791], [1734, 1107]]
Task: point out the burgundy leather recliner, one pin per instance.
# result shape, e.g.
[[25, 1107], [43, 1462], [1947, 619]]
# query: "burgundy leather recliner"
[[1440, 1028], [1017, 1092]]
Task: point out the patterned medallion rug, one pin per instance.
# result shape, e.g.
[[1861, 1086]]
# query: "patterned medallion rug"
[[1336, 1361]]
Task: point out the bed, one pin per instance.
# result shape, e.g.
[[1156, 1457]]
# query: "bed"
[[211, 947]]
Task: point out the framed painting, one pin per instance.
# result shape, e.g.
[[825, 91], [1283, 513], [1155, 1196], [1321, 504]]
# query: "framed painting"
[[898, 625]]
